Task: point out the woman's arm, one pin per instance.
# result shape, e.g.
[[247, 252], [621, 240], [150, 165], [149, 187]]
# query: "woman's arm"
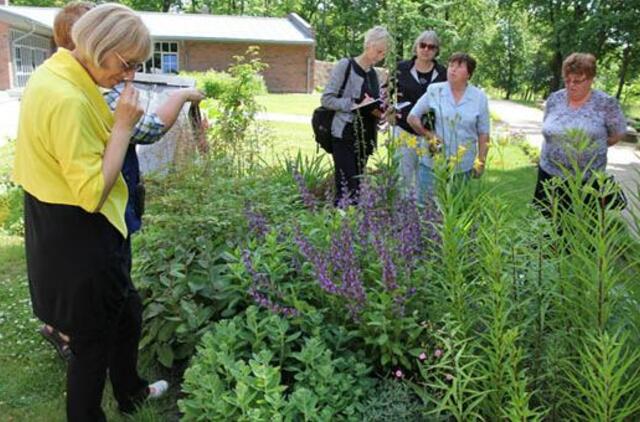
[[614, 139], [483, 127], [615, 121], [483, 151], [169, 110], [330, 97], [127, 113], [415, 116]]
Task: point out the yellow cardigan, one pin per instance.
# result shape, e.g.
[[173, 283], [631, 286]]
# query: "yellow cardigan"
[[64, 128]]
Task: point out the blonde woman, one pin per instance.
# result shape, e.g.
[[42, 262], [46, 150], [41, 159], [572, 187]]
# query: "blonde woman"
[[69, 155], [354, 129]]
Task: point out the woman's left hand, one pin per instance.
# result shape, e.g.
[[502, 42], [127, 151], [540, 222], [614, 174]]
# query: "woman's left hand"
[[478, 169], [192, 95]]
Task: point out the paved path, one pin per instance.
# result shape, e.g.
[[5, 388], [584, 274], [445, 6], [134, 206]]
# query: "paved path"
[[623, 160]]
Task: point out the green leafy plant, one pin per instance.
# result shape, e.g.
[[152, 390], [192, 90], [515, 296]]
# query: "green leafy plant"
[[235, 135], [392, 400], [245, 364]]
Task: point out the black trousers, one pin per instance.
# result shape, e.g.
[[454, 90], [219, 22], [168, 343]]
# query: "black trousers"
[[78, 268], [115, 352], [560, 192], [350, 156]]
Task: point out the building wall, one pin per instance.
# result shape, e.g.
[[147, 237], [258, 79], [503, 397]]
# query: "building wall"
[[322, 73], [5, 57], [291, 67]]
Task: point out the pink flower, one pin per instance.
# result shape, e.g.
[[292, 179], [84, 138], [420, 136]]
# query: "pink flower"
[[448, 377], [399, 373], [422, 356], [437, 353]]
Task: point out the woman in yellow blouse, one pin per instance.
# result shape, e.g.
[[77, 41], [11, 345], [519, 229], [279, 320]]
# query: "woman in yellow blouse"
[[69, 154]]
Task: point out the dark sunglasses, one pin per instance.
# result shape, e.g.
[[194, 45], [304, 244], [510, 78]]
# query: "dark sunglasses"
[[428, 46]]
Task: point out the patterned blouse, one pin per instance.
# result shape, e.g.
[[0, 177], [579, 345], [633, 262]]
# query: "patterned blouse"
[[579, 134]]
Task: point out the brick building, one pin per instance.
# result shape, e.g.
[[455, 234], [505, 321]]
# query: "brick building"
[[182, 42]]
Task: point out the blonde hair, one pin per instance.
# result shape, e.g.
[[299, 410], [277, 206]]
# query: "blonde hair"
[[111, 27], [64, 20], [428, 35], [375, 35], [579, 64]]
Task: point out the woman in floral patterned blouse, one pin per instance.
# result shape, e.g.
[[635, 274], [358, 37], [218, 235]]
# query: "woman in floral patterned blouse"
[[579, 124]]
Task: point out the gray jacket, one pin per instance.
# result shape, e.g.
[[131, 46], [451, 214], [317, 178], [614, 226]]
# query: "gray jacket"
[[342, 105]]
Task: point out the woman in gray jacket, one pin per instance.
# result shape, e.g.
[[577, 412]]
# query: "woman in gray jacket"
[[354, 125]]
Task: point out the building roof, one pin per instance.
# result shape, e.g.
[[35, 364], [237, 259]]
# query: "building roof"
[[197, 27]]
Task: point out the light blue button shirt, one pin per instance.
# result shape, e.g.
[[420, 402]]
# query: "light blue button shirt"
[[456, 124]]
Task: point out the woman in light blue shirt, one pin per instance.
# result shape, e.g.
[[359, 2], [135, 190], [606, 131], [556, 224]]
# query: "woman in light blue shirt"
[[461, 114]]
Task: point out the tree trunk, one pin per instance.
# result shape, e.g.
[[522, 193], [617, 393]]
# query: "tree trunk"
[[626, 58], [556, 63], [510, 58], [556, 70]]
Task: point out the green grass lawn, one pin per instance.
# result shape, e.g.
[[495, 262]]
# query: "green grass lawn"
[[289, 138], [32, 376], [510, 174], [300, 104]]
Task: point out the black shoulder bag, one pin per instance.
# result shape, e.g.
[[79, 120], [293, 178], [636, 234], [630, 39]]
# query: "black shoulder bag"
[[323, 118]]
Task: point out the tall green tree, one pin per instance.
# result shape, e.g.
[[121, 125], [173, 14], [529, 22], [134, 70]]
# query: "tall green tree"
[[507, 54]]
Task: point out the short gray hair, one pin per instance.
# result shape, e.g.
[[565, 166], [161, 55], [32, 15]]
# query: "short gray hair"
[[428, 35], [111, 27], [375, 35]]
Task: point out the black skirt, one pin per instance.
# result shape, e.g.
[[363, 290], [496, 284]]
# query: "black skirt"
[[76, 266]]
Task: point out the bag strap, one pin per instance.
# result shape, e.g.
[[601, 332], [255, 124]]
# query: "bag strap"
[[346, 78]]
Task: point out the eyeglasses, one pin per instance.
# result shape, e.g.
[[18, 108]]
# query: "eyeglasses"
[[126, 66], [568, 81], [428, 46]]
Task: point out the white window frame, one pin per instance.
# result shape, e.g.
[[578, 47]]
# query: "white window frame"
[[31, 44], [157, 49]]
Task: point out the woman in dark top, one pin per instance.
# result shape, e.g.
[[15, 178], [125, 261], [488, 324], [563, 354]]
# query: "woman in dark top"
[[413, 77], [354, 124]]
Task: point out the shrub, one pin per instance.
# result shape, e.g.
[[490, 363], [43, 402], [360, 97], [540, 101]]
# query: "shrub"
[[235, 136], [242, 366], [358, 267], [11, 219], [194, 220]]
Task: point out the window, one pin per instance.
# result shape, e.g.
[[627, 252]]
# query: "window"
[[28, 52], [165, 58]]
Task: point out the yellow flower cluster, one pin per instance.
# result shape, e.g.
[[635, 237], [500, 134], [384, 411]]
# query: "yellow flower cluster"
[[477, 164], [455, 159], [411, 141]]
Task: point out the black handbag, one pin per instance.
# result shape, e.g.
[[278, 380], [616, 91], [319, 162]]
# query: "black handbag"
[[322, 119]]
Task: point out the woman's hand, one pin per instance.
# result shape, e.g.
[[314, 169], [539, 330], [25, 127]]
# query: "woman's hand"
[[391, 115], [128, 111], [478, 169], [192, 95], [434, 143], [366, 99]]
